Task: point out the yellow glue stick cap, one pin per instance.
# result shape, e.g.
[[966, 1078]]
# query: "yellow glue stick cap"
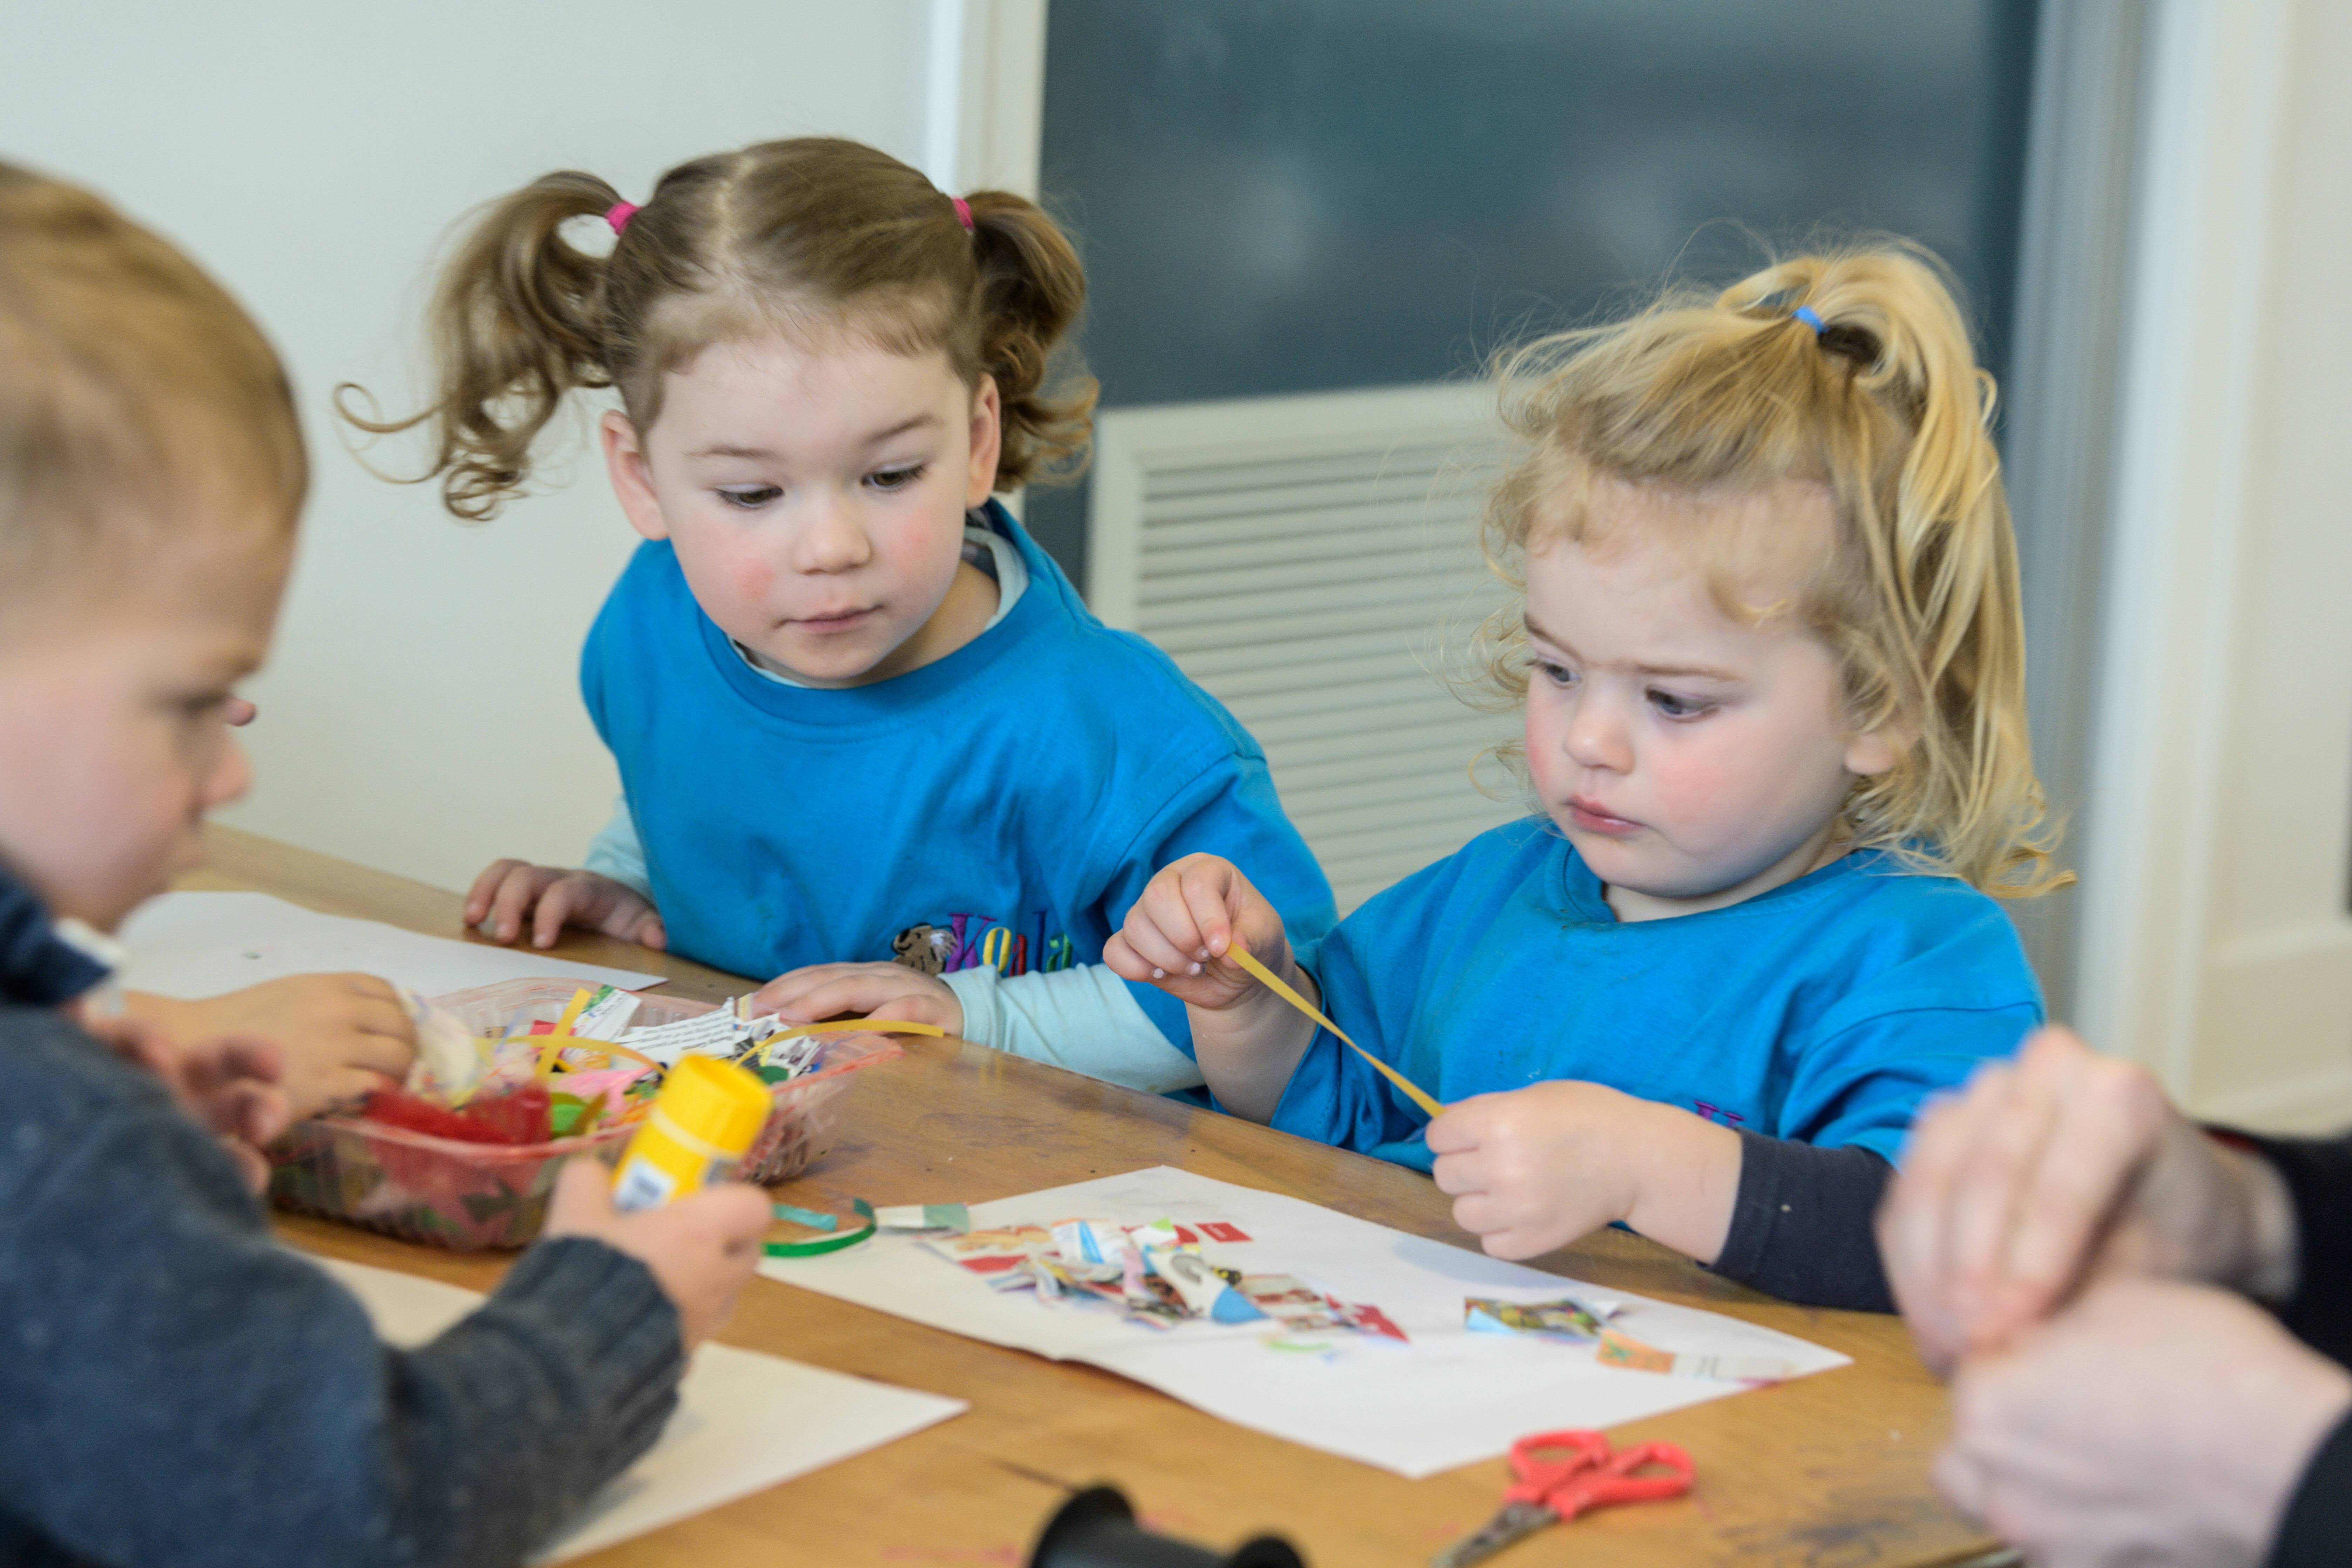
[[721, 1104]]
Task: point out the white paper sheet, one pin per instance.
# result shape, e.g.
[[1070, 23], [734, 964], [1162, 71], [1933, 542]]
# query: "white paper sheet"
[[1448, 1399], [745, 1422], [201, 944]]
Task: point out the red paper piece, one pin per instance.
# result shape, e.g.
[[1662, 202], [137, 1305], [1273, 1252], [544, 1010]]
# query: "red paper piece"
[[1218, 1230], [522, 1117]]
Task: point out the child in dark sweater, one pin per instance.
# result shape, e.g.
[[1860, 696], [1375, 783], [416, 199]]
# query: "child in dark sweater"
[[178, 1388]]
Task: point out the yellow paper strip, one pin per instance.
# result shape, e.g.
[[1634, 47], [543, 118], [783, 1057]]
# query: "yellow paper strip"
[[1267, 978], [573, 1009], [859, 1026]]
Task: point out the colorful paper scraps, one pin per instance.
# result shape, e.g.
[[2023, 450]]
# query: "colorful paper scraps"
[[1154, 1274], [1300, 1309], [606, 1014], [1575, 1320], [812, 1219], [951, 1217], [589, 1070], [1619, 1349]]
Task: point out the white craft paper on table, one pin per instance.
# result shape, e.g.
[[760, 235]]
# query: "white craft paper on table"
[[1450, 1397], [201, 944], [744, 1422]]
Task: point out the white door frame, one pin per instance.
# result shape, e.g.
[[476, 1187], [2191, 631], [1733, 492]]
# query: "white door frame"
[[2215, 946], [984, 95]]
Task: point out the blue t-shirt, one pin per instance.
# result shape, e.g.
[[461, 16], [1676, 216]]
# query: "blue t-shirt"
[[1821, 1010], [1002, 805]]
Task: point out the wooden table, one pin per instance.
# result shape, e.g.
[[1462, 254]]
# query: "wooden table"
[[1829, 1470]]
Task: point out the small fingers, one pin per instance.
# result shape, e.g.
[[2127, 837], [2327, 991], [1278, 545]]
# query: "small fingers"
[[567, 900], [510, 901], [485, 888], [1215, 894], [736, 1214], [1459, 1128], [1457, 1173], [840, 995], [1120, 957], [1160, 930], [783, 994], [650, 932]]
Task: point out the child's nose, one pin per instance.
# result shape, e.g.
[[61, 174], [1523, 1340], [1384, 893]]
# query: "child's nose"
[[833, 539], [1596, 737]]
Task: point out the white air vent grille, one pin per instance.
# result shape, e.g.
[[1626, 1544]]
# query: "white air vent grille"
[[1313, 560]]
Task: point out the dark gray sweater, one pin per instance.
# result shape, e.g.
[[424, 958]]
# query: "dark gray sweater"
[[176, 1388]]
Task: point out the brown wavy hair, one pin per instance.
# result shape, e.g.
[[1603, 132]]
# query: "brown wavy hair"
[[791, 237], [1883, 404], [124, 371]]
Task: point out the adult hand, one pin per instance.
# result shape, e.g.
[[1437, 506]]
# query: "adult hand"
[[513, 894], [338, 1036], [869, 990], [228, 1086], [2056, 1168], [701, 1249], [1532, 1169], [2150, 1423]]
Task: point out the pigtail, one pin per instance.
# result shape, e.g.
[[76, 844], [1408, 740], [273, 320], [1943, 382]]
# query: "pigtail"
[[1943, 564], [516, 325], [1031, 290]]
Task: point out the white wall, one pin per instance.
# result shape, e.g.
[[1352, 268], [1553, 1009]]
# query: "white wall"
[[421, 713], [2217, 946]]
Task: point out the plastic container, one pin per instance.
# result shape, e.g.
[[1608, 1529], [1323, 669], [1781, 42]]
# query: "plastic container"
[[447, 1193]]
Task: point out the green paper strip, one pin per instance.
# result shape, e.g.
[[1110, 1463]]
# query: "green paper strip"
[[809, 1218], [831, 1243]]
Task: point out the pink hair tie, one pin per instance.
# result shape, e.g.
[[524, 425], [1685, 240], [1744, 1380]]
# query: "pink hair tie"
[[619, 214], [963, 211]]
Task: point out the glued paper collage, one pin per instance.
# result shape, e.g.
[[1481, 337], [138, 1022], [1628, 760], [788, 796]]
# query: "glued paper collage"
[[1425, 1393]]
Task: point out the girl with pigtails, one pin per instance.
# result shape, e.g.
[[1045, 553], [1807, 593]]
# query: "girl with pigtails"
[[1770, 656], [870, 740]]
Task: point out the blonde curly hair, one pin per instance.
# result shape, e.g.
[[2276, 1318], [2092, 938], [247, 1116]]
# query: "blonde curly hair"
[[1851, 370]]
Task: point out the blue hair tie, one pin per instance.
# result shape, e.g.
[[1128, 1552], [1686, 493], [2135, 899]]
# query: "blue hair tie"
[[1810, 317]]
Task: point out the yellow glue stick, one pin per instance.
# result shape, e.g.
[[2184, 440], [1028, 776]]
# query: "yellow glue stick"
[[702, 1124]]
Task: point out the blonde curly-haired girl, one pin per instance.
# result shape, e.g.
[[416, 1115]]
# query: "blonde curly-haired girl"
[[1772, 668]]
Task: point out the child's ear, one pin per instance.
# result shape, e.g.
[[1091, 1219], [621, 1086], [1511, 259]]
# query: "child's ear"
[[624, 460], [1873, 752], [987, 442]]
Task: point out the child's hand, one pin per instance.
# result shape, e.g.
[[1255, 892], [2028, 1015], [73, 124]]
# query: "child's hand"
[[869, 990], [1533, 1169], [550, 898], [701, 1249], [1188, 919], [340, 1037], [228, 1086]]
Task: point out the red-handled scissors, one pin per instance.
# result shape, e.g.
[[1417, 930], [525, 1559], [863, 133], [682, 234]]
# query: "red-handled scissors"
[[1558, 1475]]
